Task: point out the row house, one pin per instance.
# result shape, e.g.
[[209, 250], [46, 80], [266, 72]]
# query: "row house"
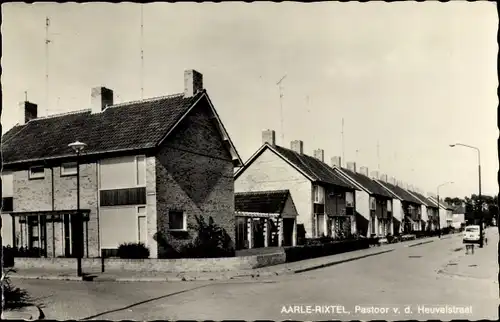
[[373, 202], [445, 211], [324, 200], [149, 167], [429, 210], [407, 208]]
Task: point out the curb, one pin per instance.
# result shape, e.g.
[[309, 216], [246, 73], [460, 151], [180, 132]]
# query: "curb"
[[341, 261], [421, 243], [29, 313], [47, 277]]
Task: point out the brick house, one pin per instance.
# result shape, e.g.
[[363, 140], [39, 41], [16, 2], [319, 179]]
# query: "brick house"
[[445, 212], [324, 200], [265, 219], [148, 168], [373, 202], [432, 212], [407, 210]]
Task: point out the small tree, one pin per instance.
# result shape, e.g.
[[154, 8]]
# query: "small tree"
[[14, 297], [133, 251]]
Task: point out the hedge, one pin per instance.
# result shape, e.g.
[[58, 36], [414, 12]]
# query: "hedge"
[[299, 253]]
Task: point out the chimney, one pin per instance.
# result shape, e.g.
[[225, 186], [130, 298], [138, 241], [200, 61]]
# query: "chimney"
[[297, 146], [363, 171], [320, 154], [392, 181], [411, 188], [269, 136], [336, 162], [383, 177], [193, 82], [101, 97], [374, 174], [29, 111], [351, 166]]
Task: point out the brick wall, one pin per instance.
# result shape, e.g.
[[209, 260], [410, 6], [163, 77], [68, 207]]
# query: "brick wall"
[[151, 216], [194, 174], [270, 172], [36, 195], [155, 265]]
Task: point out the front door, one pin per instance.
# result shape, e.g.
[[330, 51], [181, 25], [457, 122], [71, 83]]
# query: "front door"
[[76, 236], [258, 233]]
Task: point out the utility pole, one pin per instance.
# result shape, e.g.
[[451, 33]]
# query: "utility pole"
[[279, 83]]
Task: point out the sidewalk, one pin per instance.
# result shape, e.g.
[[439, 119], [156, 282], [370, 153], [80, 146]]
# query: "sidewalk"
[[483, 264], [281, 269]]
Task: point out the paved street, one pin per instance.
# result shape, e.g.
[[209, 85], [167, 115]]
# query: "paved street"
[[406, 277]]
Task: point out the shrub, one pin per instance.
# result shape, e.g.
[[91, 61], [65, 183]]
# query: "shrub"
[[133, 251], [211, 241], [14, 297]]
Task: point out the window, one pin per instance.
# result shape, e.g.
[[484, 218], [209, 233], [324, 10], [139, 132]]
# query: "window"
[[68, 169], [389, 206], [37, 172], [320, 224], [176, 220], [373, 204], [319, 194], [349, 198], [140, 170]]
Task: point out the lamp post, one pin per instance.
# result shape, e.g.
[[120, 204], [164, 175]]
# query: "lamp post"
[[439, 217], [78, 148], [479, 176]]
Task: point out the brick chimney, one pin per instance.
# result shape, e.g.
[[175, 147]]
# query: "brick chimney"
[[269, 136], [411, 188], [193, 82], [320, 154], [392, 181], [101, 97], [297, 146], [383, 177], [374, 174], [363, 171], [336, 162], [29, 111], [351, 166]]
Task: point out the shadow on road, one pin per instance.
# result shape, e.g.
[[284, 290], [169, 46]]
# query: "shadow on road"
[[144, 302]]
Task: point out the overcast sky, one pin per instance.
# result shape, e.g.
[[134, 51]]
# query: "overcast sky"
[[413, 76]]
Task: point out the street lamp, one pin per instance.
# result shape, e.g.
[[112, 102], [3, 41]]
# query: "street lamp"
[[78, 148], [480, 202], [439, 217]]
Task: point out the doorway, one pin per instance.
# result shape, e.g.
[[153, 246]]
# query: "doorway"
[[73, 236]]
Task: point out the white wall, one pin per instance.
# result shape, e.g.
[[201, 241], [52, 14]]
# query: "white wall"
[[7, 184], [119, 225], [270, 172], [123, 172], [363, 206], [442, 218], [398, 213], [7, 238]]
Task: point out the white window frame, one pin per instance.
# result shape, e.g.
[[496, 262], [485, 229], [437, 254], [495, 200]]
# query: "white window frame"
[[70, 173], [142, 215], [36, 176], [319, 194], [373, 203], [184, 220], [136, 163], [349, 203]]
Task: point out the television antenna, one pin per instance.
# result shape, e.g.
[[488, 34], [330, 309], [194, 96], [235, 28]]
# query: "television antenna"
[[142, 52], [280, 84]]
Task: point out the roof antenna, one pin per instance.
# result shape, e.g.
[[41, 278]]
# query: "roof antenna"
[[342, 134], [142, 53], [25, 96], [378, 155], [281, 108], [47, 42]]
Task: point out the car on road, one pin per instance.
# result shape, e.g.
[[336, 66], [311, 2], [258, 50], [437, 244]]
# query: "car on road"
[[472, 234]]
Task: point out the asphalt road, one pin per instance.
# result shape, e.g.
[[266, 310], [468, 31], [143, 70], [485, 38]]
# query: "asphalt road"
[[373, 288]]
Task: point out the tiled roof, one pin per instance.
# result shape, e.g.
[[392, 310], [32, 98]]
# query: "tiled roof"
[[129, 126], [425, 200], [367, 183], [268, 202], [314, 168], [400, 192], [442, 203]]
